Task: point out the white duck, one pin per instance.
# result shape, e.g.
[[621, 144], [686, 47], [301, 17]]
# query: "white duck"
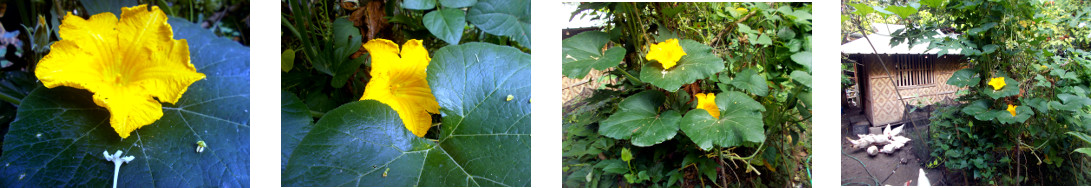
[[922, 180], [890, 139]]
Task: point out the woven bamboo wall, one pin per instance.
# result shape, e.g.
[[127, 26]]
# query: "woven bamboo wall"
[[883, 105]]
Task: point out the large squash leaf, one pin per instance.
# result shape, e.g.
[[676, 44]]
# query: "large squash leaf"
[[980, 110], [484, 139], [583, 52], [748, 80], [446, 24], [295, 122], [510, 18], [1011, 88], [740, 122], [698, 63], [59, 134], [1022, 113], [964, 77], [639, 120]]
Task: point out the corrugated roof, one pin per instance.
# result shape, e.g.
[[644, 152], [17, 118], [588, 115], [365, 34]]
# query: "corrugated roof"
[[881, 40]]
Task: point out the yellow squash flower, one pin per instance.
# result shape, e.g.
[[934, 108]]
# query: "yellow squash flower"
[[667, 53], [1011, 108], [708, 103], [128, 64], [997, 83], [397, 80]]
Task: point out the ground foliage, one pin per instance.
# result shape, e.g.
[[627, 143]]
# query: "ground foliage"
[[644, 131], [1039, 49]]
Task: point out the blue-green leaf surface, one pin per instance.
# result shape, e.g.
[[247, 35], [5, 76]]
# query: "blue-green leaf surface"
[[639, 120], [457, 3], [510, 18], [698, 63], [964, 77], [740, 122], [419, 4], [583, 53], [484, 139], [1011, 88], [295, 122], [59, 134], [750, 81], [446, 24]]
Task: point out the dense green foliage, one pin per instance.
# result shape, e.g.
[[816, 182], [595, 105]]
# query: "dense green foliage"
[[1039, 49], [479, 74], [644, 131]]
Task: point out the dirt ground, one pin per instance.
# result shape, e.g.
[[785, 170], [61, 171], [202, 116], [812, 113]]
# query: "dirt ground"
[[887, 169]]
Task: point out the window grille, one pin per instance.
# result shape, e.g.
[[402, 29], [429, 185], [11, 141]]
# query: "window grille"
[[914, 70]]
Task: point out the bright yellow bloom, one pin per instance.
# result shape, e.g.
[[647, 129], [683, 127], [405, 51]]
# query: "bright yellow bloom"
[[741, 10], [1011, 108], [708, 103], [997, 83], [126, 63], [398, 80], [667, 53]]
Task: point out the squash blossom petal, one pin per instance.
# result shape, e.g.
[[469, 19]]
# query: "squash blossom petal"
[[131, 64], [1011, 108], [667, 53], [997, 83], [708, 103], [398, 80]]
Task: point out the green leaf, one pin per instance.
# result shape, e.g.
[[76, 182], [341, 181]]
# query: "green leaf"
[[1080, 136], [335, 59], [801, 78], [59, 134], [446, 24], [484, 140], [964, 77], [740, 122], [295, 122], [1022, 113], [803, 58], [287, 60], [933, 3], [764, 39], [989, 48], [1010, 89], [1085, 151], [980, 110], [582, 53], [638, 120], [745, 29], [1071, 102], [510, 18], [419, 4], [982, 28], [333, 153], [95, 7], [613, 166], [861, 9], [698, 63], [748, 80], [457, 3], [626, 155], [902, 11]]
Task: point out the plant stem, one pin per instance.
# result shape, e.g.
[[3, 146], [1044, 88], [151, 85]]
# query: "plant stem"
[[11, 99], [317, 114], [631, 77]]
